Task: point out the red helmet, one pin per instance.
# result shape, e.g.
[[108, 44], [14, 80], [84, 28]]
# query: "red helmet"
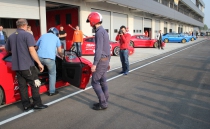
[[94, 18]]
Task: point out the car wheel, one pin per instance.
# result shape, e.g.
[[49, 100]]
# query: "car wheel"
[[131, 43], [166, 40], [155, 44], [1, 96], [192, 39], [183, 40], [116, 51]]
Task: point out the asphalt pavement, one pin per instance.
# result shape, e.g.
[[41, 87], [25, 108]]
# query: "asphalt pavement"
[[167, 91]]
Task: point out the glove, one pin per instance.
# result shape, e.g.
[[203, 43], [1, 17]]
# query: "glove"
[[37, 83]]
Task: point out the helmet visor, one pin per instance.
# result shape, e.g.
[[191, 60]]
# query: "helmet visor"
[[87, 20]]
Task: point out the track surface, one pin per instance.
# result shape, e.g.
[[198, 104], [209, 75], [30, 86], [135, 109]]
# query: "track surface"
[[169, 91]]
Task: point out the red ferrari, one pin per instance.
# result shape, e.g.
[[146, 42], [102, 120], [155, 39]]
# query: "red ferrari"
[[143, 41], [71, 70], [88, 47]]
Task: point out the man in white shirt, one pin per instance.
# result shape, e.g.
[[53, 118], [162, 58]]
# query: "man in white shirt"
[[159, 39]]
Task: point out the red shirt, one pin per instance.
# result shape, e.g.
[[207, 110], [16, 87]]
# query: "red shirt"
[[124, 40]]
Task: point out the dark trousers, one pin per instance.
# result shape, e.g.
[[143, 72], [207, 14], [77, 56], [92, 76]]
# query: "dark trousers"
[[124, 60], [24, 77], [160, 44], [78, 48], [99, 82]]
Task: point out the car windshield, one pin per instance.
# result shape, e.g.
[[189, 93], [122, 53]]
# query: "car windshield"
[[8, 58], [165, 34], [90, 40]]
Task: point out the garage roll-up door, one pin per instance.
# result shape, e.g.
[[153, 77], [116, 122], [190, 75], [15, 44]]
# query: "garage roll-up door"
[[138, 23], [157, 26], [28, 9], [147, 23], [106, 19], [118, 21]]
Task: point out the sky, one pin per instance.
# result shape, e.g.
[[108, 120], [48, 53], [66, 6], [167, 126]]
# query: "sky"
[[206, 13]]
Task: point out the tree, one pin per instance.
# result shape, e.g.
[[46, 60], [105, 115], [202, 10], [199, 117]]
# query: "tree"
[[205, 27]]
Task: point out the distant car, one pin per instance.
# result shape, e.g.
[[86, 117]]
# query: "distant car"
[[71, 70], [174, 37], [88, 47], [202, 34], [143, 41], [190, 37]]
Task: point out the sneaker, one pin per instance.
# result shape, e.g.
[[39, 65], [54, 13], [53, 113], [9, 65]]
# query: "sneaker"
[[126, 73], [51, 94], [121, 72], [99, 108]]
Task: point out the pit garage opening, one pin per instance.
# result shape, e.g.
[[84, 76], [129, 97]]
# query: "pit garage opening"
[[58, 14]]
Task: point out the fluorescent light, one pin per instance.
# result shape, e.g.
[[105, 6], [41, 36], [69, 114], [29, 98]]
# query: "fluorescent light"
[[122, 5], [110, 2]]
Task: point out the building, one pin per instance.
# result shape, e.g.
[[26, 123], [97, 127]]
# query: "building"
[[138, 15]]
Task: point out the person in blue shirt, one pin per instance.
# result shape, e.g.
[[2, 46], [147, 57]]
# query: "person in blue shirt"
[[46, 49]]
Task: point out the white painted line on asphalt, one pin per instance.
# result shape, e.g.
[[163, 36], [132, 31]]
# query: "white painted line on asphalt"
[[80, 91], [120, 66], [147, 58]]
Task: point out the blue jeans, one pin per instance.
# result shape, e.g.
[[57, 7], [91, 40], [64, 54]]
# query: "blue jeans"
[[124, 60], [78, 48], [63, 43], [50, 63], [2, 42]]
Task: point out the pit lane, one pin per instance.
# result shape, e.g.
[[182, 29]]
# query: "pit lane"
[[141, 58]]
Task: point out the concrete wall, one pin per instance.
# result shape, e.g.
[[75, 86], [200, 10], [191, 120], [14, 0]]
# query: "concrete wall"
[[85, 9], [156, 8]]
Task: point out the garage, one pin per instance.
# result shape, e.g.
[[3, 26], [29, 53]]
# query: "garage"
[[172, 28], [148, 27], [11, 10], [138, 25], [157, 26], [118, 20], [23, 9], [106, 19], [165, 27]]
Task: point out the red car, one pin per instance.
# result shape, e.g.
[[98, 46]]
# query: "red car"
[[71, 70], [143, 41], [88, 47]]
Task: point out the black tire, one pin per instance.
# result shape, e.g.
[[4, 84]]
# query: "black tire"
[[155, 44], [116, 51], [183, 41], [192, 39], [166, 40], [132, 44], [1, 96]]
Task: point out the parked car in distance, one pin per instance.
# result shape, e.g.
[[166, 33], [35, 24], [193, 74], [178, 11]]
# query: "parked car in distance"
[[202, 34], [88, 47], [190, 37], [143, 41], [174, 37]]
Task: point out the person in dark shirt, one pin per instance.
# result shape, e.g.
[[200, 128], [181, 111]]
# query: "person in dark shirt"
[[101, 61], [21, 45], [124, 39], [3, 37], [62, 37]]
